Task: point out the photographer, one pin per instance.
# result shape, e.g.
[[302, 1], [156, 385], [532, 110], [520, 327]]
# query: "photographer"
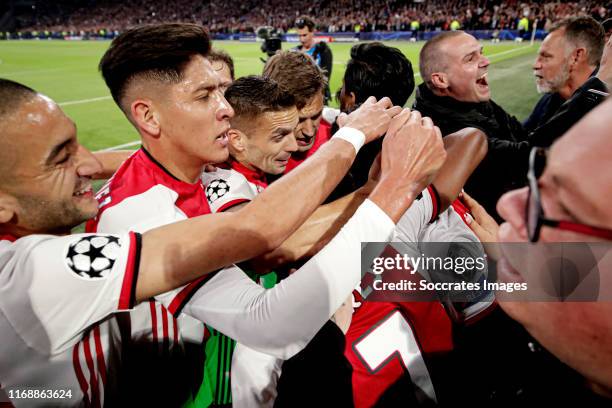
[[319, 51]]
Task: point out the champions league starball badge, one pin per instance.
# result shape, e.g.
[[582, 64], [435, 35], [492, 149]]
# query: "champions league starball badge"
[[93, 257], [216, 189]]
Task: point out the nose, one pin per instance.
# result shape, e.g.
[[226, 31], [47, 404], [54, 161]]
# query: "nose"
[[484, 61], [308, 128], [225, 110], [512, 206], [86, 163], [292, 145], [537, 65]]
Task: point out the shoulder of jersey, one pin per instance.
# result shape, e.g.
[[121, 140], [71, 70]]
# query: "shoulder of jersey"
[[226, 188], [134, 196], [330, 115]]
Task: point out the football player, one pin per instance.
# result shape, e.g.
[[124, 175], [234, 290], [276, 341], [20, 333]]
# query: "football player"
[[58, 291], [161, 79]]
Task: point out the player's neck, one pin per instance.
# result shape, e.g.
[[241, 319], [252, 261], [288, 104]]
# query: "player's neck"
[[180, 165], [239, 161]]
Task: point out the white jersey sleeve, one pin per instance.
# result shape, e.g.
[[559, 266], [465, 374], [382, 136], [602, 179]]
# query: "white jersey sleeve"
[[53, 288], [423, 211], [227, 188], [280, 321]]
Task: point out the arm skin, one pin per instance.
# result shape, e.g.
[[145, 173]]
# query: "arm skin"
[[465, 149], [315, 233], [178, 253], [202, 244], [110, 160]]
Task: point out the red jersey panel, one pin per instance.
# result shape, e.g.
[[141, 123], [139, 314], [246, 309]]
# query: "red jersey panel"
[[387, 340], [322, 136]]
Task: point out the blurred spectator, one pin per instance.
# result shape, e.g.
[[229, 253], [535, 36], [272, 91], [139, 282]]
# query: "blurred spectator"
[[334, 16]]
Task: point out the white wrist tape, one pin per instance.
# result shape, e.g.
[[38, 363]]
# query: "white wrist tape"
[[351, 135]]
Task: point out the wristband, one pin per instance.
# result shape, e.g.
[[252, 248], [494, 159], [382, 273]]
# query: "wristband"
[[351, 135]]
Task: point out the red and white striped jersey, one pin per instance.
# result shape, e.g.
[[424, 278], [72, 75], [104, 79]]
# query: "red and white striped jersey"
[[57, 298], [140, 196]]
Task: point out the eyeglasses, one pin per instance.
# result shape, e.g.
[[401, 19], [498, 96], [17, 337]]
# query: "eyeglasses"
[[534, 213], [300, 23]]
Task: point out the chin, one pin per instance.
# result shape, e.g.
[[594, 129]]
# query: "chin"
[[276, 171], [89, 211], [220, 157], [304, 149]]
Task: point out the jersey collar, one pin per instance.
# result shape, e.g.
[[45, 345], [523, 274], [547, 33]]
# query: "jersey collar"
[[257, 177]]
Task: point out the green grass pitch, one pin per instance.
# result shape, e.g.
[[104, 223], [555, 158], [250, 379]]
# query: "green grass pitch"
[[67, 72]]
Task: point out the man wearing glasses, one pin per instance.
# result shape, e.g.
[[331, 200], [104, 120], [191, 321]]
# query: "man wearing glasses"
[[567, 200], [319, 51]]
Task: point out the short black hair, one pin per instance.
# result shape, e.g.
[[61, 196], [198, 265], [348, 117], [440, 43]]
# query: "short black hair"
[[305, 21], [378, 70], [157, 52], [12, 95], [607, 24], [253, 95], [216, 54]]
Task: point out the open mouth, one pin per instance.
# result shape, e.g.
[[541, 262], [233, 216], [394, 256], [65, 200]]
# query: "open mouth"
[[482, 81], [222, 139], [84, 191]]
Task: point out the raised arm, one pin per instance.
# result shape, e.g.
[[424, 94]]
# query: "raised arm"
[[265, 319], [179, 253], [465, 150]]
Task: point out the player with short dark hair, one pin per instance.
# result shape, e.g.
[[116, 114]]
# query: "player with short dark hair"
[[57, 293], [376, 69], [183, 120]]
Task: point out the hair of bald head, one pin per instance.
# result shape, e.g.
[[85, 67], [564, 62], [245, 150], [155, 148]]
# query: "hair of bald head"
[[584, 32], [154, 53], [254, 95], [431, 60], [12, 95]]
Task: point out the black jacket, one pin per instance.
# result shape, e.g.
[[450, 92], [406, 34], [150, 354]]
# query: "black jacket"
[[546, 107], [505, 165]]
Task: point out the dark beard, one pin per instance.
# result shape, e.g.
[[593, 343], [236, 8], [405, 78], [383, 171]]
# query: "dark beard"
[[51, 217]]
